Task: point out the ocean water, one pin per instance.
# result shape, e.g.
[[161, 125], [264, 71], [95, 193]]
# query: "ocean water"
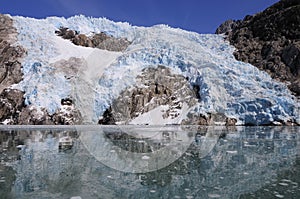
[[149, 162]]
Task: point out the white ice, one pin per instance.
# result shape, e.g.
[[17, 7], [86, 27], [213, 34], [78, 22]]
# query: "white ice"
[[227, 86]]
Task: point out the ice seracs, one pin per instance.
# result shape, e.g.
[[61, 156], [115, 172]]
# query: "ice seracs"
[[226, 86]]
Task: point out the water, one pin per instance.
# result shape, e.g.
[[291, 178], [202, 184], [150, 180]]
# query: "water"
[[149, 162]]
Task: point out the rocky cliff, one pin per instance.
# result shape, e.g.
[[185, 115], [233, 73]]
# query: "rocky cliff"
[[11, 100], [155, 87], [270, 40]]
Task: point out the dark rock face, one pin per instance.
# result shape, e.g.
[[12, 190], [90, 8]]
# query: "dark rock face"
[[11, 100], [11, 103], [33, 116], [98, 40], [10, 55], [66, 115], [270, 41], [155, 87], [208, 119], [228, 26]]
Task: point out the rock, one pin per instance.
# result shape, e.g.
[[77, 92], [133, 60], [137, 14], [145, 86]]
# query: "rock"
[[154, 87], [231, 121], [270, 41], [209, 119], [203, 120], [11, 100], [11, 54], [67, 102], [67, 114], [11, 103], [34, 116], [295, 87], [98, 40], [227, 26], [82, 40]]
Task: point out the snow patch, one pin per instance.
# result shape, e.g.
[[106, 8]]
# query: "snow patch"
[[155, 116]]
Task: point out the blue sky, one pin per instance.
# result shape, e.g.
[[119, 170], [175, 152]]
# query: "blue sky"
[[202, 16]]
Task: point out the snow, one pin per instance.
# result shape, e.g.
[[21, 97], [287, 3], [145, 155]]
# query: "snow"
[[228, 86], [96, 62], [6, 121], [155, 116]]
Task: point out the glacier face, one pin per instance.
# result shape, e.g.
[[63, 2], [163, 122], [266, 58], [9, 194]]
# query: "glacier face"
[[227, 86]]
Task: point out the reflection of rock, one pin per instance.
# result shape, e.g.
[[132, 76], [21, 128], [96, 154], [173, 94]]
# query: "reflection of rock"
[[155, 87], [97, 40], [139, 150], [7, 179], [65, 143], [242, 163], [269, 40]]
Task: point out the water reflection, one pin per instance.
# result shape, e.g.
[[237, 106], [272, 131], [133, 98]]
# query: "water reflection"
[[209, 162]]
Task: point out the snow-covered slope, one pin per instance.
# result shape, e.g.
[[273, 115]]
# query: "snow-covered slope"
[[227, 86]]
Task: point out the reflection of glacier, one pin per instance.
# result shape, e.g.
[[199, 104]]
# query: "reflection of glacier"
[[242, 162]]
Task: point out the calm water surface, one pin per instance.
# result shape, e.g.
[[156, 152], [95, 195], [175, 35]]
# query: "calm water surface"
[[149, 162]]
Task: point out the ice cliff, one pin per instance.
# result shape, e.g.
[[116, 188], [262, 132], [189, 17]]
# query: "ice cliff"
[[55, 69]]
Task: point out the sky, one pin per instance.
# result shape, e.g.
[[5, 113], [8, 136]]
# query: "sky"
[[202, 16]]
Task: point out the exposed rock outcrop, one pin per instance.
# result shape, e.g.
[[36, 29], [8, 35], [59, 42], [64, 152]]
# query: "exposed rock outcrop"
[[34, 116], [11, 104], [97, 40], [66, 115], [155, 87], [208, 119], [10, 54], [11, 100], [270, 41]]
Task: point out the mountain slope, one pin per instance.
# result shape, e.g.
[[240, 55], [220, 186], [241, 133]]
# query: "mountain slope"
[[270, 41], [76, 78]]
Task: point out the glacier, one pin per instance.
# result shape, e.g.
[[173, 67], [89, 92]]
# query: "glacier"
[[236, 89]]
